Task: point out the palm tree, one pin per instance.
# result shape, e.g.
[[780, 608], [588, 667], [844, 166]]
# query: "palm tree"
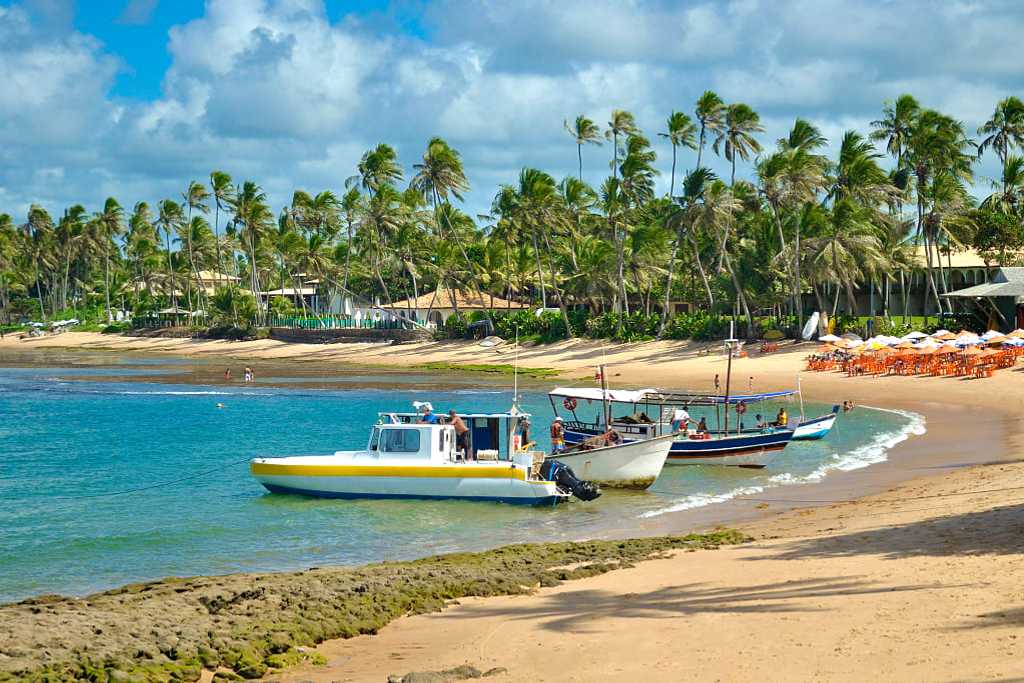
[[222, 192], [1005, 129], [621, 123], [9, 250], [1010, 189], [583, 131], [848, 250], [680, 133], [351, 207], [711, 116], [737, 135], [249, 204], [169, 217], [895, 126], [378, 167], [439, 176], [38, 231], [111, 224], [539, 207]]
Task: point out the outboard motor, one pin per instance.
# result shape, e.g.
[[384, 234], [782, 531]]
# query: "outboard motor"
[[562, 474]]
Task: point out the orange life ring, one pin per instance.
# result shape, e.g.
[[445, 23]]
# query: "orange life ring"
[[569, 403]]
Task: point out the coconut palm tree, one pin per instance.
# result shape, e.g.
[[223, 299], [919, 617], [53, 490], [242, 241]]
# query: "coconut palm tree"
[[584, 132], [252, 213], [351, 207], [378, 167], [710, 112], [736, 137], [622, 124], [222, 191], [38, 231], [169, 217], [1004, 130], [680, 133], [438, 177], [1009, 192], [195, 198], [895, 126], [111, 224]]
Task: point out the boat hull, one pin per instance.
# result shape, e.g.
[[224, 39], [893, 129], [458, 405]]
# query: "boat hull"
[[499, 482], [744, 450], [812, 430], [635, 464]]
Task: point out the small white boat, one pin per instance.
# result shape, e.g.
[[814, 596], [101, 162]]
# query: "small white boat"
[[815, 428], [414, 460], [634, 464]]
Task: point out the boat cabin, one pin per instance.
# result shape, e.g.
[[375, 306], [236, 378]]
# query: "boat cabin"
[[492, 436]]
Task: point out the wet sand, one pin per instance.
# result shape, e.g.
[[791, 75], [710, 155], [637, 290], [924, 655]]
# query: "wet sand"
[[918, 578]]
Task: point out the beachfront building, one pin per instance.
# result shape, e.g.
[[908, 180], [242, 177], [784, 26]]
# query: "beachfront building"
[[906, 292], [1000, 299], [434, 309]]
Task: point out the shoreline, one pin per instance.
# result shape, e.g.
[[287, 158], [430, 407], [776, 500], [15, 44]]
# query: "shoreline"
[[947, 460]]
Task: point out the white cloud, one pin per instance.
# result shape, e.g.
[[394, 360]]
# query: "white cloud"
[[274, 91]]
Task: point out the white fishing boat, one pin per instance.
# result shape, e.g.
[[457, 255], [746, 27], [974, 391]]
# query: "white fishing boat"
[[409, 459], [634, 464], [815, 428]]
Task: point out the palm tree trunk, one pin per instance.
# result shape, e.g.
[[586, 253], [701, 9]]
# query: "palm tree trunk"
[[106, 280], [558, 291], [668, 284], [579, 153], [700, 269], [700, 147], [741, 296], [672, 182], [540, 271], [797, 288]]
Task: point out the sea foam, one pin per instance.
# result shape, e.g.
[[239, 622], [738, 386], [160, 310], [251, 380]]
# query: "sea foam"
[[871, 453]]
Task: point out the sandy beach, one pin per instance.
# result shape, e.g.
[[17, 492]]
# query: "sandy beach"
[[917, 578]]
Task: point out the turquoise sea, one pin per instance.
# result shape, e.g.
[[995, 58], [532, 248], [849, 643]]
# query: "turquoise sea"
[[87, 461]]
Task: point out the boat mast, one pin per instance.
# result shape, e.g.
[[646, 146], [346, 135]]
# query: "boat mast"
[[800, 393], [604, 399], [728, 377]]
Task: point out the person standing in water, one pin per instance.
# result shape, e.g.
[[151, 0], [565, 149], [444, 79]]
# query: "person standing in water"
[[248, 374], [227, 374]]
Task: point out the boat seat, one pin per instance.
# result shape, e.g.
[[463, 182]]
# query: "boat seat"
[[487, 454], [538, 460]]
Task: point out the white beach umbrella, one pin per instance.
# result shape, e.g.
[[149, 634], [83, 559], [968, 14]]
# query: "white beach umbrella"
[[939, 333], [928, 343], [991, 333], [915, 335], [829, 338]]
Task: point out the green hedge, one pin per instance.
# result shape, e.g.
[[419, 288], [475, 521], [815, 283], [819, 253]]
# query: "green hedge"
[[550, 326]]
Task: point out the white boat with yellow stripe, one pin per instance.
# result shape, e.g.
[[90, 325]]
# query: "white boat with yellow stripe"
[[408, 458]]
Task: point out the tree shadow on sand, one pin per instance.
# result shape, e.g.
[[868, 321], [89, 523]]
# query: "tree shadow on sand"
[[999, 531], [572, 610]]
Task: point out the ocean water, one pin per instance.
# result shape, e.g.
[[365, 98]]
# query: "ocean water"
[[105, 481]]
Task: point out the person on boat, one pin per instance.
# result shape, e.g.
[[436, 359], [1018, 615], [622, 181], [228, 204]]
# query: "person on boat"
[[761, 424], [461, 435], [782, 419], [557, 435], [525, 427], [702, 428], [428, 417], [612, 438], [681, 419]]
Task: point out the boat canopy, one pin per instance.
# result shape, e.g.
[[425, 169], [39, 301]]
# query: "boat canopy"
[[593, 394], [669, 398]]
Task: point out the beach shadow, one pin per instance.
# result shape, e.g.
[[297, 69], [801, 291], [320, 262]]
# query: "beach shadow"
[[998, 531], [572, 610], [1004, 617]]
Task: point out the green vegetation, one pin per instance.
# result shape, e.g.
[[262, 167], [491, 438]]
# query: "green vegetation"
[[251, 623], [606, 261]]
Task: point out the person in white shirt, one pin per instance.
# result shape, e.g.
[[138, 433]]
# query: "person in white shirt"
[[680, 419]]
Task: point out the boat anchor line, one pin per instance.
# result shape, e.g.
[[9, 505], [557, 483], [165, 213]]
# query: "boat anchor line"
[[162, 484]]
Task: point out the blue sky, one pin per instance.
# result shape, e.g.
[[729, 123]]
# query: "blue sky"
[[134, 98]]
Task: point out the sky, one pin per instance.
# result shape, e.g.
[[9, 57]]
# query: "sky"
[[135, 98]]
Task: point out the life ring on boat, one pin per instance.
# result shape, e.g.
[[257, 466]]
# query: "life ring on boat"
[[569, 403]]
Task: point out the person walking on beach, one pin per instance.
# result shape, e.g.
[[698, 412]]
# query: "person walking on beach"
[[461, 434], [227, 374], [557, 436], [248, 374]]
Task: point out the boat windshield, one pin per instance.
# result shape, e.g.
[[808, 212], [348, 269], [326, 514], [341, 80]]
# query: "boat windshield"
[[400, 440], [374, 439]]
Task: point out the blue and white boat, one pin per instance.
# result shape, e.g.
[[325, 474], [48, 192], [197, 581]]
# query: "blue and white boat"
[[815, 428], [650, 416]]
